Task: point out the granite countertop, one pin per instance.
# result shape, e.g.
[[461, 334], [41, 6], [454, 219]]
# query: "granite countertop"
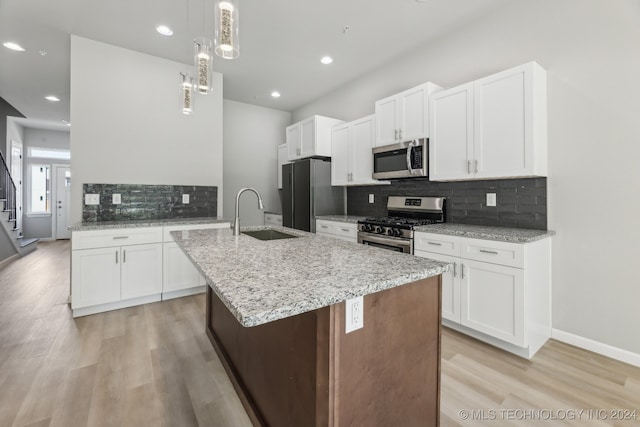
[[263, 281], [503, 234], [341, 218], [108, 225]]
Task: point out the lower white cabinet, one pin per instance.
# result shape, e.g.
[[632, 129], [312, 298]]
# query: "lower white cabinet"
[[497, 292], [339, 230], [117, 268]]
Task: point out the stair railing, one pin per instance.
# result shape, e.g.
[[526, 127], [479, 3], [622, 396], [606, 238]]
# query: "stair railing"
[[8, 191]]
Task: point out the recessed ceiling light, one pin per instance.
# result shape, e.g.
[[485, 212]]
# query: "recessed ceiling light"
[[326, 60], [275, 94], [13, 46], [52, 98], [164, 30]]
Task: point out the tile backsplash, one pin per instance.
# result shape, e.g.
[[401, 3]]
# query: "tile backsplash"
[[521, 203], [149, 202]]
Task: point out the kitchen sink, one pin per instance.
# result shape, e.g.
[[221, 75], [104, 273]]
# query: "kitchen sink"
[[268, 234]]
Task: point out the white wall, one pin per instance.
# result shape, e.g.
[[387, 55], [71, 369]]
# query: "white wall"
[[590, 49], [251, 138], [38, 225], [127, 128]]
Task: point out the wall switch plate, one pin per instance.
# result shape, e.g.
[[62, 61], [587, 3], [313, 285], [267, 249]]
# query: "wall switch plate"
[[354, 314], [92, 199], [371, 198], [491, 199], [116, 199], [185, 199]]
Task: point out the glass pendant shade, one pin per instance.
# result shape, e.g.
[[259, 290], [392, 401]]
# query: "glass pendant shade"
[[204, 64], [227, 40], [186, 94]]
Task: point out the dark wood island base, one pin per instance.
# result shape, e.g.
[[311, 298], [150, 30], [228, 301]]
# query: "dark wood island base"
[[305, 371]]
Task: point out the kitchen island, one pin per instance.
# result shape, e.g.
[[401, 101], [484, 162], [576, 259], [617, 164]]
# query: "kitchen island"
[[276, 315]]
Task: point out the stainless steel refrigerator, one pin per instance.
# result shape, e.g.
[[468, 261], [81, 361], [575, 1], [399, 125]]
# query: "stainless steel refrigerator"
[[307, 193]]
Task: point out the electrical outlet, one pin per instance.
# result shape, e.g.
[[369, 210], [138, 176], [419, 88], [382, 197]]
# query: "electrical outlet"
[[92, 199], [354, 314], [491, 199], [371, 198], [116, 199], [185, 199]]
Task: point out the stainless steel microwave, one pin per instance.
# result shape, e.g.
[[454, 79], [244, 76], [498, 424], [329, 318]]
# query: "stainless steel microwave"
[[407, 159]]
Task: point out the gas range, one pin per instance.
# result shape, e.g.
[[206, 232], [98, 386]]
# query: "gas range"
[[395, 231]]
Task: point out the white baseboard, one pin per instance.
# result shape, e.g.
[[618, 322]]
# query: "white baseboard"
[[597, 347], [9, 260]]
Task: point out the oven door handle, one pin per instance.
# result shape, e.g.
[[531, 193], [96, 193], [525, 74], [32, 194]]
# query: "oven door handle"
[[386, 240]]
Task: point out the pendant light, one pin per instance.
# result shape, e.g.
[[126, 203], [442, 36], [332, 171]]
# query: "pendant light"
[[227, 40], [204, 64], [186, 93]]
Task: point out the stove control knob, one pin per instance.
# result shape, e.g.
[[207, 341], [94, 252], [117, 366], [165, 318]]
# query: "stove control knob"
[[397, 232], [368, 227], [391, 231], [379, 230]]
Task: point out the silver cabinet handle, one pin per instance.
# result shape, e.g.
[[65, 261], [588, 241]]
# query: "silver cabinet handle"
[[346, 230], [395, 134], [116, 257], [400, 133], [434, 243], [476, 162], [468, 166], [120, 237], [124, 256], [455, 269], [462, 270], [484, 251], [324, 226]]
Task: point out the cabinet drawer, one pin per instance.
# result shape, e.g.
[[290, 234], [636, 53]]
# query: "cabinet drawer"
[[273, 219], [345, 230], [166, 234], [111, 238], [438, 243], [502, 253]]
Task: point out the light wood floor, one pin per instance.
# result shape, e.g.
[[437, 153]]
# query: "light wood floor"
[[153, 366]]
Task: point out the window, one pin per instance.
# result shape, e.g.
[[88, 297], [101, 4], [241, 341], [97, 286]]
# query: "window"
[[49, 153], [40, 189]]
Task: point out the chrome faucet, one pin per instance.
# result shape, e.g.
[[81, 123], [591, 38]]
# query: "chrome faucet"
[[236, 224]]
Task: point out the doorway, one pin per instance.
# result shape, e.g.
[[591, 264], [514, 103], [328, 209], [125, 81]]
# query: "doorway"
[[62, 201], [16, 175]]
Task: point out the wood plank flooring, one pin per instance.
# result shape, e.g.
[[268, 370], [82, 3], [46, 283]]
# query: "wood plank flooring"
[[152, 365]]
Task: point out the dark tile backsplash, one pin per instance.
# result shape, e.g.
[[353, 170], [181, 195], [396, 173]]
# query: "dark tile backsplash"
[[149, 202], [521, 203]]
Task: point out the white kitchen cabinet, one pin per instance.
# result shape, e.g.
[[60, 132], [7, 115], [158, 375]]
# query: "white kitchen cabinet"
[[346, 231], [282, 159], [310, 137], [451, 143], [450, 285], [404, 116], [494, 127], [273, 219], [180, 277], [352, 159], [498, 292], [140, 270]]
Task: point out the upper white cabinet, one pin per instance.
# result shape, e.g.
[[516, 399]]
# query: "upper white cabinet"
[[352, 159], [310, 137], [282, 159], [404, 116], [494, 127]]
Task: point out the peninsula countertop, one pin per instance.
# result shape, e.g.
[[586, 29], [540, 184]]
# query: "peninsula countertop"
[[263, 281], [502, 234]]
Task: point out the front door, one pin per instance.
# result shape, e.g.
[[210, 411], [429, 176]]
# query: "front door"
[[63, 198], [16, 175]]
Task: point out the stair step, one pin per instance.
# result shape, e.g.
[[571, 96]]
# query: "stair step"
[[27, 242]]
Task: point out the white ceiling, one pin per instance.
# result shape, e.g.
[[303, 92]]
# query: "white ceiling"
[[281, 42]]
